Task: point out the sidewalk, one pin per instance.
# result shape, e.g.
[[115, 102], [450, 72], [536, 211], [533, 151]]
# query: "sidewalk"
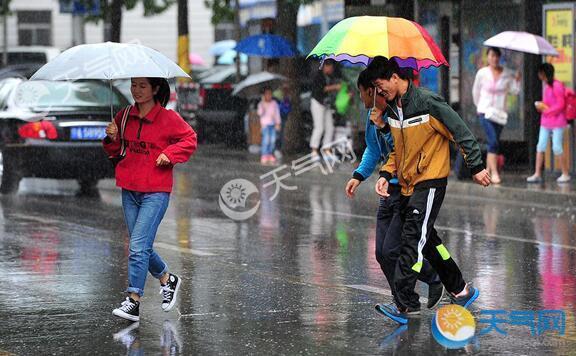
[[513, 187]]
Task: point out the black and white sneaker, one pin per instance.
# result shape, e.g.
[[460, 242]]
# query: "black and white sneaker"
[[169, 292], [129, 310]]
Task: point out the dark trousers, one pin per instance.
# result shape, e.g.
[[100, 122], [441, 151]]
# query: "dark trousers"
[[493, 131], [420, 241], [389, 223]]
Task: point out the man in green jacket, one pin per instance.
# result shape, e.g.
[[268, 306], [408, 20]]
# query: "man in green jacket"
[[422, 125]]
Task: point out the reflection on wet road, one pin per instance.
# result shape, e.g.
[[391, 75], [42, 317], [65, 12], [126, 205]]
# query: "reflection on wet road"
[[298, 277]]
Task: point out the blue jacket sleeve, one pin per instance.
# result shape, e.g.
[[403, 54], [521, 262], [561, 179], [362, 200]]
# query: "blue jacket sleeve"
[[371, 155]]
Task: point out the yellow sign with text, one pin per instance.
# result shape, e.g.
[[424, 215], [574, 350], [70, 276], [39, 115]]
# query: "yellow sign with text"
[[559, 32]]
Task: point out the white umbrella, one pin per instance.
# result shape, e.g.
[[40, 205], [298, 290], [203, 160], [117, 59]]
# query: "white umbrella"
[[229, 57], [220, 47], [109, 61], [521, 42], [251, 85]]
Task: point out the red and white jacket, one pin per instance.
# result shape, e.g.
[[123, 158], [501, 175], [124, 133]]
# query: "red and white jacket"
[[160, 131]]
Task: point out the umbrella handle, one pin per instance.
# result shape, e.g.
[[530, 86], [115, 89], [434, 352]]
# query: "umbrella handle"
[[111, 101]]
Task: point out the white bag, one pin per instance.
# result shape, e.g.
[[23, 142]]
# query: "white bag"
[[496, 115]]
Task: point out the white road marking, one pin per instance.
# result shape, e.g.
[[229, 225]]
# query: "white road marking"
[[182, 249], [156, 244], [454, 229]]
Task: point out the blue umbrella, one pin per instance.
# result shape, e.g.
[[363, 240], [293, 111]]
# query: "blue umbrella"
[[268, 46]]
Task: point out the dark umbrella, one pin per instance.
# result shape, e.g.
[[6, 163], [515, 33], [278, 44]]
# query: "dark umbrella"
[[252, 85]]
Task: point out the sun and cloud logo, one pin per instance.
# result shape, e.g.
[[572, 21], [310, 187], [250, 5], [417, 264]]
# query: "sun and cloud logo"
[[453, 326], [234, 199]]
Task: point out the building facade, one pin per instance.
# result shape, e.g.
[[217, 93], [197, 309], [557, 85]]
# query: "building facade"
[[40, 22], [460, 27]]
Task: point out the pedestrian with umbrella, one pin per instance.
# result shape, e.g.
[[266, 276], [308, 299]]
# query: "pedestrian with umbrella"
[[422, 125], [492, 85], [389, 221], [360, 40], [270, 121], [148, 141], [145, 141]]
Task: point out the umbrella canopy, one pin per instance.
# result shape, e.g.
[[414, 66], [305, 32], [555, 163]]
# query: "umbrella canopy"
[[251, 86], [229, 56], [522, 42], [220, 47], [109, 61], [361, 38], [196, 59], [268, 46]]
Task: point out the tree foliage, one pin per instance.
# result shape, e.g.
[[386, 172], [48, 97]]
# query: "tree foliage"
[[151, 7], [5, 7], [222, 10], [111, 12]]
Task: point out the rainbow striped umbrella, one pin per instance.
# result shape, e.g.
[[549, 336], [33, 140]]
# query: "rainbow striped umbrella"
[[359, 39]]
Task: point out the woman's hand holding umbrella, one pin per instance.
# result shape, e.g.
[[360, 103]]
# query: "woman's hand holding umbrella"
[[112, 130]]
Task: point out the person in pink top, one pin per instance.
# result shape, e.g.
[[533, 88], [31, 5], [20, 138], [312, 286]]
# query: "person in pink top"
[[269, 113], [552, 121]]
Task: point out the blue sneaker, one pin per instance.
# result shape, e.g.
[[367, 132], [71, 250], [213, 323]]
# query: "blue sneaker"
[[391, 311], [468, 299]]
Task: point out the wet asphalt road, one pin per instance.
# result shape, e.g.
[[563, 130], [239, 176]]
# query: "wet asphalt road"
[[299, 277]]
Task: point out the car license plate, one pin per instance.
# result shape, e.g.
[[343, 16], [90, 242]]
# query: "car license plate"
[[88, 133]]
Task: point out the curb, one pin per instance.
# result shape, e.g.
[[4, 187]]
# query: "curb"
[[455, 187], [512, 194]]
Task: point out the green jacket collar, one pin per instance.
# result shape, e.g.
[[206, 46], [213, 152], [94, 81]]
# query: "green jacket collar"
[[407, 97]]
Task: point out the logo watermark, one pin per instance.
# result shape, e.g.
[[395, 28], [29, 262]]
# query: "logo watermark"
[[453, 326], [538, 322], [233, 195], [233, 199]]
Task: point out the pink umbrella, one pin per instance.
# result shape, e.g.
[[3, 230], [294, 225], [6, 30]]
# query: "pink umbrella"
[[196, 59]]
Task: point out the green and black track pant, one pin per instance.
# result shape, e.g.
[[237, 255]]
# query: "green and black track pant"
[[421, 241]]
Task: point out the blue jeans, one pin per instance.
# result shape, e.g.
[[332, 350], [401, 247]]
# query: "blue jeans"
[[493, 131], [143, 213], [268, 140], [557, 140]]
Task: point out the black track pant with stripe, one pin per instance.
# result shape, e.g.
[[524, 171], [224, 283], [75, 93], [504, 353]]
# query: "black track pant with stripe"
[[421, 241], [389, 224]]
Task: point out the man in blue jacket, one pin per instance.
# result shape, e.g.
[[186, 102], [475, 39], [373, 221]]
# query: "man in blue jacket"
[[389, 221]]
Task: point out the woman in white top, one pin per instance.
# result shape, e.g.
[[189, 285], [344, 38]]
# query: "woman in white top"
[[492, 85]]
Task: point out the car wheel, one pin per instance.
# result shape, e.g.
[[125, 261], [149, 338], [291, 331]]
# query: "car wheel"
[[88, 187], [10, 176]]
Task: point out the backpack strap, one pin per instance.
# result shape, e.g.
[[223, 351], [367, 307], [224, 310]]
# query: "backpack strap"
[[122, 128]]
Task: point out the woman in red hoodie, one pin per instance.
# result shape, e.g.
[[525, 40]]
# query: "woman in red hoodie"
[[152, 142]]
